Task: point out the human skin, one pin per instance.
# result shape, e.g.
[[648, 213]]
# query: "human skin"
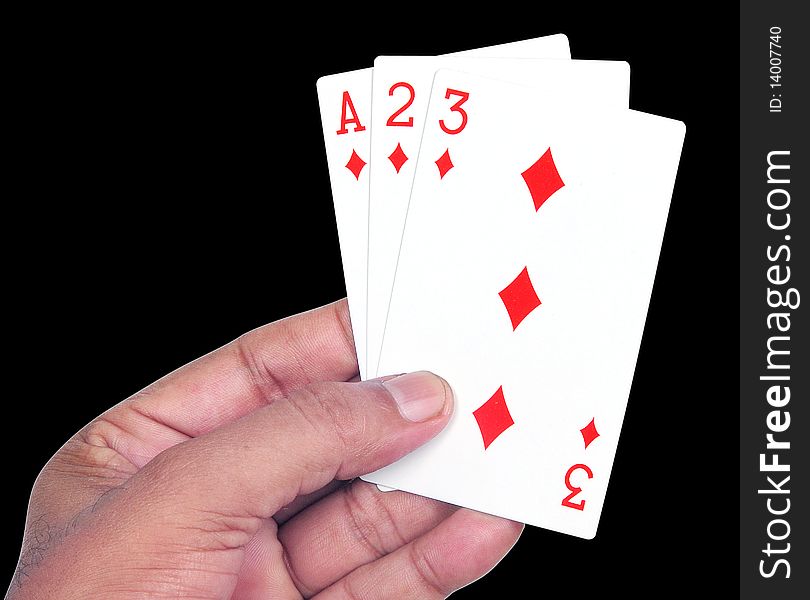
[[234, 478]]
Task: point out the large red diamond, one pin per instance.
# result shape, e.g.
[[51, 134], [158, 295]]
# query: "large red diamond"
[[355, 165], [589, 433], [444, 163], [543, 179], [519, 298], [493, 417], [398, 157]]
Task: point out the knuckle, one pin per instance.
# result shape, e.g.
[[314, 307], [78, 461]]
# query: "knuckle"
[[99, 436], [218, 530], [372, 524], [92, 455], [351, 592], [427, 574], [332, 415], [261, 375]]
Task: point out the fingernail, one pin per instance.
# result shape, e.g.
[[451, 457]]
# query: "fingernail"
[[420, 395]]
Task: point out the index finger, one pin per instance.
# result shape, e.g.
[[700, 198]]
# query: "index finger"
[[252, 371]]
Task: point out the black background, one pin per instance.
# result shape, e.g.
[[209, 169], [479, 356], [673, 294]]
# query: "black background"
[[159, 223]]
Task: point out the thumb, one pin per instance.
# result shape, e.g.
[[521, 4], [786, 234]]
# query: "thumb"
[[258, 464]]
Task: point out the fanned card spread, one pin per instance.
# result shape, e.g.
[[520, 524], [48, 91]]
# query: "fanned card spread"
[[500, 215]]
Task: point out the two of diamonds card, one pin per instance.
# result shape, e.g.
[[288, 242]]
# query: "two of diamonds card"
[[517, 227]]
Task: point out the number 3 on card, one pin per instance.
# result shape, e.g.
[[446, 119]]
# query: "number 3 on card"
[[567, 501], [463, 97]]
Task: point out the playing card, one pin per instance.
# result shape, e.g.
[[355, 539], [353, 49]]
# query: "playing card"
[[401, 90], [525, 273], [345, 104]]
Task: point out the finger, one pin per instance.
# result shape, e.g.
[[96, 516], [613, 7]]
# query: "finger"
[[352, 527], [250, 372], [461, 549], [252, 468], [220, 387]]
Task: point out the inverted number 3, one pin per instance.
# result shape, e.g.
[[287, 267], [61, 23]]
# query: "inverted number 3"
[[575, 490]]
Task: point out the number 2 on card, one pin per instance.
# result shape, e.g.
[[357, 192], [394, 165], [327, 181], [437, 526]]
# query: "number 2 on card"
[[392, 122]]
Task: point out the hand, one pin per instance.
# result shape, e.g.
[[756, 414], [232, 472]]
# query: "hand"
[[225, 479]]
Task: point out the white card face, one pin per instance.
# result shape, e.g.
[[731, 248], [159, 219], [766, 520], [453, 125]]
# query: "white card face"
[[524, 279], [345, 103], [401, 90]]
